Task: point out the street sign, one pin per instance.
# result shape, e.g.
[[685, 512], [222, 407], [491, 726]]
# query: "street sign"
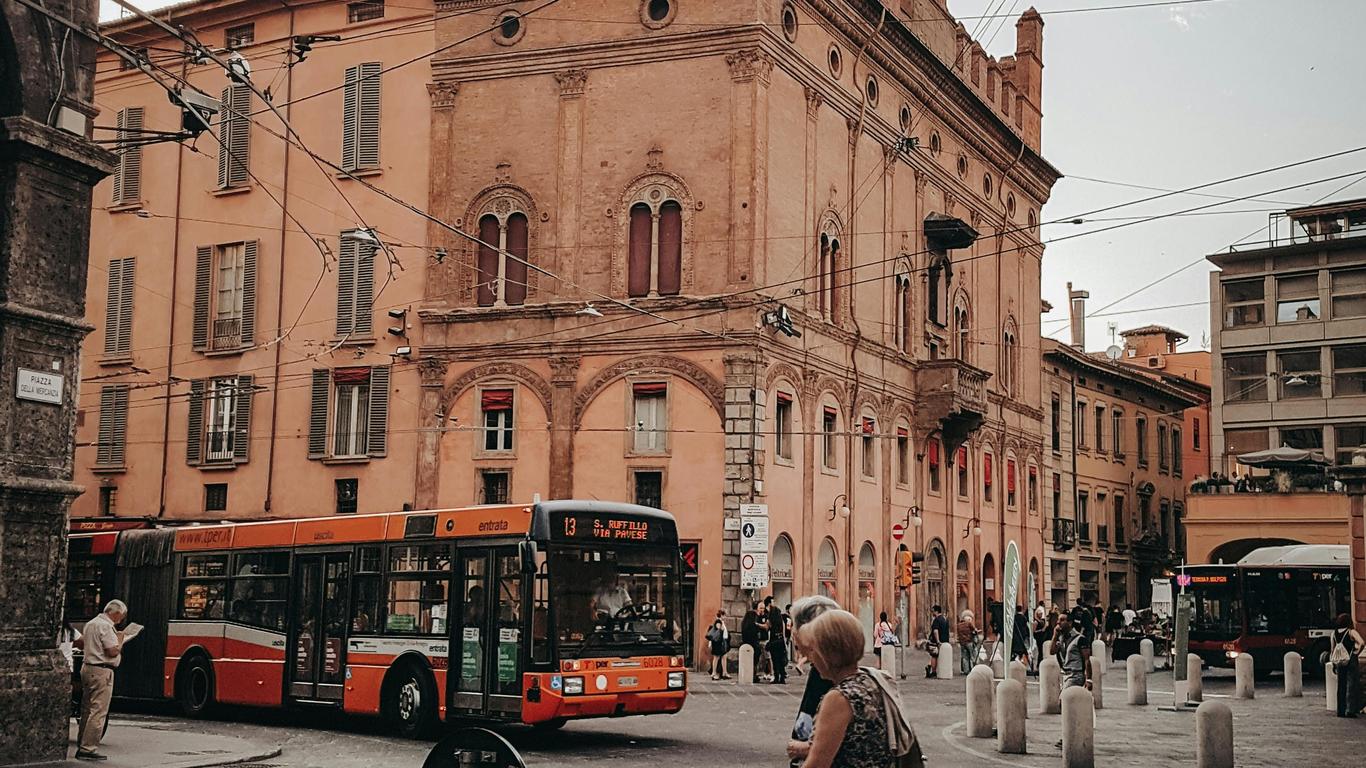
[[753, 510], [753, 546], [38, 386], [1011, 575], [754, 570], [754, 534], [732, 524], [898, 531]]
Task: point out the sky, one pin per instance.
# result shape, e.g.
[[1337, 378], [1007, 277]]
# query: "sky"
[[1173, 96]]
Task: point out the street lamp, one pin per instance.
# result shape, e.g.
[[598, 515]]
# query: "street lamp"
[[835, 506], [913, 517], [974, 527]]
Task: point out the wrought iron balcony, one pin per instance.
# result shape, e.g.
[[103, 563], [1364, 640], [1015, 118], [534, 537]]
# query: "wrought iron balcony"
[[227, 333], [1064, 533], [952, 398]]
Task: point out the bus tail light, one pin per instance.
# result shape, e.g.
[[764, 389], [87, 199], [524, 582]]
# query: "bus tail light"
[[573, 685], [1231, 650], [676, 661], [677, 679], [571, 665]]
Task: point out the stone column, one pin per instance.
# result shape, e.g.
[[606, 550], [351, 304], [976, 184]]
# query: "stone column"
[[432, 426], [813, 108], [443, 285], [744, 464], [569, 177], [1354, 477], [750, 70], [564, 372], [46, 175]]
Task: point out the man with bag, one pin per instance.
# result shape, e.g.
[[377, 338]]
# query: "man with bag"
[[939, 635], [1346, 660]]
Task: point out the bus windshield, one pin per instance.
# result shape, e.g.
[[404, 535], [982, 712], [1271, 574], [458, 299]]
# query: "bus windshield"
[[615, 602], [1216, 614]]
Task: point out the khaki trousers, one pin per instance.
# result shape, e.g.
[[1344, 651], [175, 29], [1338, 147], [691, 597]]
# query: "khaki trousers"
[[97, 688]]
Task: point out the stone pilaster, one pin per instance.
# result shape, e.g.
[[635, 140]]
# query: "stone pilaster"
[[569, 175], [744, 464], [564, 373], [750, 72], [442, 281], [426, 484], [813, 108]]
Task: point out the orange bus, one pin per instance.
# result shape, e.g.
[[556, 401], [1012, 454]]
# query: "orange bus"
[[537, 614]]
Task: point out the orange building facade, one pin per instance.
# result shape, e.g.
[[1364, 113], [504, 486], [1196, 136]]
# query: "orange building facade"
[[693, 255]]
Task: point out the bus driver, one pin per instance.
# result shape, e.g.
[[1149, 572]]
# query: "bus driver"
[[611, 597]]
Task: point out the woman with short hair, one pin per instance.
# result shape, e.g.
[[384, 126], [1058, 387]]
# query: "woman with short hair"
[[851, 722]]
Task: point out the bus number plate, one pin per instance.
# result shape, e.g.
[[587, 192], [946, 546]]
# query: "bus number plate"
[[628, 682]]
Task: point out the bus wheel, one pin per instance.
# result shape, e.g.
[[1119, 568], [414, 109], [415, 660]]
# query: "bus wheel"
[[550, 725], [1315, 659], [411, 702], [194, 686]]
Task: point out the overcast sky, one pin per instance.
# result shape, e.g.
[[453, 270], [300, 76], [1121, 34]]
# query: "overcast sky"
[[1173, 96]]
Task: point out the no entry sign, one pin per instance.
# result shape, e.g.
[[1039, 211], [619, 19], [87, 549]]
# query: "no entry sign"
[[898, 531]]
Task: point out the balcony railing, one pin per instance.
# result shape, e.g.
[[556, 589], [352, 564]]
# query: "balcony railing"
[[1282, 229], [227, 333], [1064, 533], [218, 445], [953, 398]]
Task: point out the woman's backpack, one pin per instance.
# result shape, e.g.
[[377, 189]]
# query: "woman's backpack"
[[1341, 656], [885, 635], [901, 738]]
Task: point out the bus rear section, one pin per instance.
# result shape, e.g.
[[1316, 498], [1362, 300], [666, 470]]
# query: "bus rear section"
[[1216, 623]]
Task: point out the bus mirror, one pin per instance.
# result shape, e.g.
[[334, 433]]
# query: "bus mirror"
[[527, 550]]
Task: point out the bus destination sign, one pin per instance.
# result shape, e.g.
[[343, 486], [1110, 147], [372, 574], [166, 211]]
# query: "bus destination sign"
[[610, 528]]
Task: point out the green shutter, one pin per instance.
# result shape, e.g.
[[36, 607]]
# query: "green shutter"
[[346, 284], [203, 273], [365, 291], [194, 424], [225, 127], [125, 339], [241, 441], [317, 416], [377, 426], [112, 315], [367, 129], [350, 112], [109, 452], [128, 173], [249, 293]]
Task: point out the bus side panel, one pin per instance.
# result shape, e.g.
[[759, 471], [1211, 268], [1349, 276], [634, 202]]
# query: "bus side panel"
[[185, 636], [363, 683], [144, 579], [251, 668]]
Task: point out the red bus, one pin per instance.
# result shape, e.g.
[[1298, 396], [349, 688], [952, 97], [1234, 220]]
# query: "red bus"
[[1276, 599], [537, 614]]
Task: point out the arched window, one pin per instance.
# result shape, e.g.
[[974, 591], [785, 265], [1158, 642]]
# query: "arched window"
[[902, 321], [654, 264], [938, 277], [827, 278], [826, 571], [960, 574], [867, 590], [780, 571], [962, 331], [1010, 359], [934, 577], [504, 249]]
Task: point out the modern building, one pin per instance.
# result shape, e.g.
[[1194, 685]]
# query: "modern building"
[[1116, 474], [694, 255]]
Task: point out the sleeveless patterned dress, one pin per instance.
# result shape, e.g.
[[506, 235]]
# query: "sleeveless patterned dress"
[[865, 740]]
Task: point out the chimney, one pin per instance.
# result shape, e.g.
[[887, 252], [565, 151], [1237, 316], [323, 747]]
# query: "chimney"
[[1077, 314]]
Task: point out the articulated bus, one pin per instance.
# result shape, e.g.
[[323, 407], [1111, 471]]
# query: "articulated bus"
[[1274, 600], [537, 614]]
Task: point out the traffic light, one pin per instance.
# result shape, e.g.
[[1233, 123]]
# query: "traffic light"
[[904, 570], [917, 561]]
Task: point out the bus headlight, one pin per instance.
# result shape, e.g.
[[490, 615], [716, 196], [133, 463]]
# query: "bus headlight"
[[1232, 655], [573, 685], [677, 679]]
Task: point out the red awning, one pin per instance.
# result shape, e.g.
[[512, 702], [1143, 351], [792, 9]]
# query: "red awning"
[[829, 411], [1010, 476], [351, 375], [962, 456], [784, 398], [649, 388], [933, 453], [496, 400], [986, 469], [868, 426], [901, 432]]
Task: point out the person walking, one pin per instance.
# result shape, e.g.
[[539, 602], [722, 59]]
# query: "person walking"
[[883, 634], [718, 640], [805, 611], [777, 642], [1019, 635], [749, 635], [1349, 669], [968, 636], [1074, 654], [937, 638], [103, 648], [852, 730]]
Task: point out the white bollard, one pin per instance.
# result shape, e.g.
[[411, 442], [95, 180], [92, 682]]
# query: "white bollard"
[[1010, 716], [1145, 648], [946, 663], [1099, 651], [1330, 687], [980, 703], [1098, 680], [1138, 679], [1214, 735], [1019, 672], [1195, 684], [1048, 648], [1244, 686], [746, 665], [1294, 675], [888, 653], [998, 668], [1050, 686], [1078, 729]]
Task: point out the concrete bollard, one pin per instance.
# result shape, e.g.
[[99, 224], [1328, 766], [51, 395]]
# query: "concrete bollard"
[[1294, 675], [1195, 684], [1214, 735], [1098, 651], [746, 665], [1019, 672], [998, 668], [1078, 729], [1048, 648], [1098, 680], [1138, 679], [1330, 687], [1244, 686], [946, 663], [1011, 711], [888, 653], [1145, 648], [980, 703], [1050, 686]]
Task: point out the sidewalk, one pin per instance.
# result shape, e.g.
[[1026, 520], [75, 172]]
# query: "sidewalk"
[[132, 744]]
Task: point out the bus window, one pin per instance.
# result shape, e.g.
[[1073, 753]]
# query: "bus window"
[[418, 578], [365, 609], [1215, 613], [615, 600], [540, 612], [260, 587], [1268, 610], [84, 583], [508, 569], [203, 585]]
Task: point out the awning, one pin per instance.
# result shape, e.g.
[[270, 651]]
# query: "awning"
[[1284, 457], [868, 426], [1010, 476], [496, 400], [784, 398], [933, 453], [649, 388]]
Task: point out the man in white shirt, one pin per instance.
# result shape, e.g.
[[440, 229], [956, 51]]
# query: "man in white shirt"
[[103, 648], [1129, 615]]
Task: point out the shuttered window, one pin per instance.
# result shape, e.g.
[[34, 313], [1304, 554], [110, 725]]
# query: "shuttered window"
[[109, 451], [118, 314], [349, 413], [218, 430], [128, 172], [654, 259], [234, 137], [355, 287], [360, 117], [224, 297]]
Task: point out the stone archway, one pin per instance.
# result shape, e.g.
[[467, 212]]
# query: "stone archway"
[[686, 369]]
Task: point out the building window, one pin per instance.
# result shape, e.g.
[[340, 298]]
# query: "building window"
[[1100, 428], [1057, 495], [239, 36], [215, 497], [113, 429], [349, 413], [1304, 438], [1083, 516], [1240, 441], [1177, 449], [356, 285], [902, 321], [828, 426], [1164, 511], [1010, 354], [1244, 303], [509, 29], [782, 431], [1298, 373], [1141, 435], [368, 10], [655, 258], [109, 498], [1350, 437], [1033, 490], [651, 414], [868, 445], [1119, 520], [1349, 371], [827, 278], [348, 488], [1297, 298], [1102, 530], [1079, 428], [1010, 483], [962, 472], [218, 429], [790, 22], [234, 137], [962, 333], [128, 171], [118, 312], [1195, 433], [1349, 293], [938, 278], [648, 490], [986, 477], [225, 297], [361, 113], [1163, 460], [1117, 432], [1245, 378], [1055, 423], [932, 450], [496, 406], [903, 456], [494, 486]]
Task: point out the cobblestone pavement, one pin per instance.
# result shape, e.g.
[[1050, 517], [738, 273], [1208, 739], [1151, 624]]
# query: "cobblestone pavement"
[[725, 724]]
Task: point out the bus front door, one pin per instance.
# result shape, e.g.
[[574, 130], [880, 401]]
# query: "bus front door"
[[317, 659], [488, 650]]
